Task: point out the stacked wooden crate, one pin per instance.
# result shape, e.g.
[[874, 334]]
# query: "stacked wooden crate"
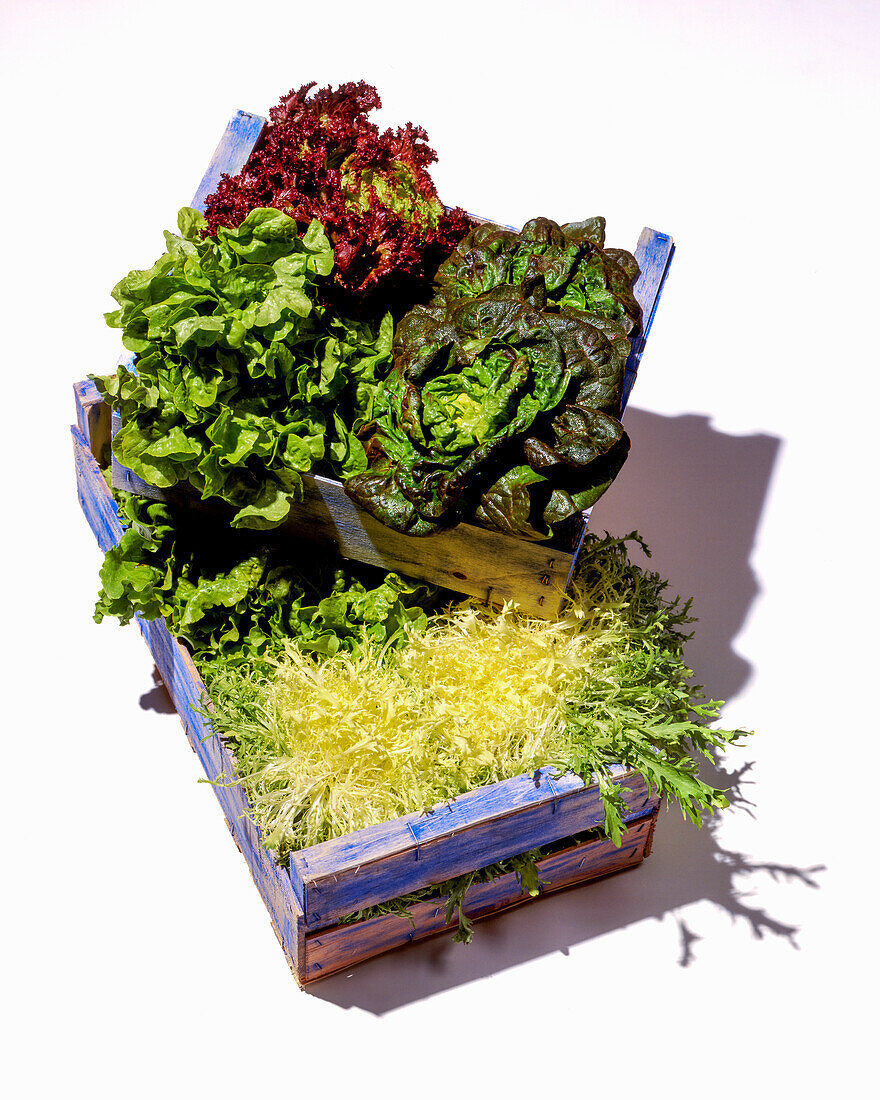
[[323, 884]]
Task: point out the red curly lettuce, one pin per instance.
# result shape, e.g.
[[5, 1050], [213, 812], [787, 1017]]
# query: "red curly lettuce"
[[321, 158]]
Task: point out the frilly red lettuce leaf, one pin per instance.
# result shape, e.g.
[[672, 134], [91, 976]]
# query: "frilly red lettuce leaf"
[[320, 158]]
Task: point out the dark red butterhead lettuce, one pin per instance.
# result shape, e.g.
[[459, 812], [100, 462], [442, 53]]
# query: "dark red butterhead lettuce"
[[322, 158]]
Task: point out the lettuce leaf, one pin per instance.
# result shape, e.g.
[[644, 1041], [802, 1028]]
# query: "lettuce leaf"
[[232, 595], [243, 380], [505, 399]]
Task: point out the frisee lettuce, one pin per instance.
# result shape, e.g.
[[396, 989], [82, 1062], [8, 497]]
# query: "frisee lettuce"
[[473, 697], [348, 698]]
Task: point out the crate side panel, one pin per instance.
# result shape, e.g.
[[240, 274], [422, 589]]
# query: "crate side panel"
[[191, 701], [488, 565], [92, 417], [239, 140], [477, 829], [331, 950], [189, 697], [473, 808], [94, 495]]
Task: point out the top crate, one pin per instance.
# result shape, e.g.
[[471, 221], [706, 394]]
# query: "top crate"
[[488, 565]]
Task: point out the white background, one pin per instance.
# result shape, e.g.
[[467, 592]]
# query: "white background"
[[139, 960]]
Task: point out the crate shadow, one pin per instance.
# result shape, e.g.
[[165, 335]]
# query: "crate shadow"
[[696, 495], [687, 865]]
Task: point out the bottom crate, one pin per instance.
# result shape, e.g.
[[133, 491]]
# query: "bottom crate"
[[328, 881]]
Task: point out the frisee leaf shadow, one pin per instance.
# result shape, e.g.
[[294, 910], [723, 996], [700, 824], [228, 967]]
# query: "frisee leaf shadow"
[[693, 865]]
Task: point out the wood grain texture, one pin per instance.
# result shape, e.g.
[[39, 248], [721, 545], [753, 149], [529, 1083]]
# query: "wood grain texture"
[[239, 140], [369, 866], [92, 417], [333, 949]]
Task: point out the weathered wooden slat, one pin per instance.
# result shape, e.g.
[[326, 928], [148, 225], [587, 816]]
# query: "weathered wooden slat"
[[366, 867], [92, 417], [96, 503], [239, 140], [187, 692], [190, 700], [333, 949], [654, 255]]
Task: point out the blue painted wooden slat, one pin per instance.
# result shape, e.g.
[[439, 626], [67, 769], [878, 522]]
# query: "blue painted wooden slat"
[[654, 255], [336, 878], [190, 699], [239, 140]]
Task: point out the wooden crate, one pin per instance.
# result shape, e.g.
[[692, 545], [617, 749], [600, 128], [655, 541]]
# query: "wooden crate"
[[326, 882], [331, 880], [489, 565]]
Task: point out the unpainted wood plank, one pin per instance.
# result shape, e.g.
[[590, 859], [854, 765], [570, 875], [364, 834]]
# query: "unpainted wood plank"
[[333, 949], [369, 866], [240, 138]]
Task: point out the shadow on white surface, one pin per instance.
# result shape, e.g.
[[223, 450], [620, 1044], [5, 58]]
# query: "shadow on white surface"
[[687, 865], [157, 698], [696, 495]]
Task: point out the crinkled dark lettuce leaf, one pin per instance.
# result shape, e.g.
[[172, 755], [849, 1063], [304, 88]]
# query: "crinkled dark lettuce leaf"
[[243, 381], [505, 399], [577, 270]]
